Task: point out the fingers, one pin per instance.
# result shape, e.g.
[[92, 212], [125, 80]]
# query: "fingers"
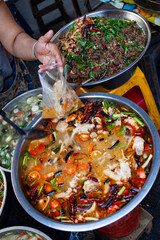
[[43, 68], [61, 67], [49, 51], [47, 37], [60, 63], [48, 67], [58, 58]]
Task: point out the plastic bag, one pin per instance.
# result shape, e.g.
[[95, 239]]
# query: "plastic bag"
[[59, 99]]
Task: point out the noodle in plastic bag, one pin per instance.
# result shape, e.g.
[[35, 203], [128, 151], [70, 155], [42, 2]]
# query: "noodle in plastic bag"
[[59, 99]]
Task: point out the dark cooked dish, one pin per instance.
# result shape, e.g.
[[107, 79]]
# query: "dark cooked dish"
[[98, 47], [91, 165]]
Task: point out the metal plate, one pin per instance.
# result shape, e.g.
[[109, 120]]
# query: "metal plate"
[[117, 79]]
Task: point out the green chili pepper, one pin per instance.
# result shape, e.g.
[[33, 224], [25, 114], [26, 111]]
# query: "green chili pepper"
[[139, 120], [147, 161], [53, 149], [33, 182], [121, 190]]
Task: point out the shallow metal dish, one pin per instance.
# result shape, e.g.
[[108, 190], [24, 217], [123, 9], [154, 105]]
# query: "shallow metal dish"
[[9, 106], [121, 77], [21, 147], [22, 229]]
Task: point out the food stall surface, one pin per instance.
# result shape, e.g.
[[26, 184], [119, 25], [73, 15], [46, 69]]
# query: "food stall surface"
[[15, 215]]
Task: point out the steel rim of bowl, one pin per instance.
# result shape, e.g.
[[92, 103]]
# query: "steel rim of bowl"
[[131, 16], [119, 214], [10, 105], [24, 228], [5, 191], [149, 5]]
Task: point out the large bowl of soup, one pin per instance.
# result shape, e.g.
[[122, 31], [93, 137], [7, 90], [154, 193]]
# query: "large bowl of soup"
[[92, 169]]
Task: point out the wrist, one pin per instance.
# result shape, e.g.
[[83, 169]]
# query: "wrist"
[[34, 50]]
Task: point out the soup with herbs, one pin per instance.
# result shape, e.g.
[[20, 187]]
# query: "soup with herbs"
[[91, 164]]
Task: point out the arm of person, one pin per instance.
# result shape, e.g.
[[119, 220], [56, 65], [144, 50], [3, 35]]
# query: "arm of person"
[[20, 44]]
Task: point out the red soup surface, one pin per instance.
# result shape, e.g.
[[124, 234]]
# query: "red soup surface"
[[91, 164]]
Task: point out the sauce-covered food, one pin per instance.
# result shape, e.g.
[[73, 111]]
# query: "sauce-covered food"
[[91, 165], [99, 47]]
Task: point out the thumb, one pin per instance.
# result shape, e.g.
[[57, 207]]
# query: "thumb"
[[47, 37]]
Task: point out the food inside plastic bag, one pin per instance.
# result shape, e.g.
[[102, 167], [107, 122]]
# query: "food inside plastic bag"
[[59, 99]]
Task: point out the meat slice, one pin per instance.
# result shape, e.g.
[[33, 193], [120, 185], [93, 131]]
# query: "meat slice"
[[120, 173], [66, 194], [90, 186], [138, 145]]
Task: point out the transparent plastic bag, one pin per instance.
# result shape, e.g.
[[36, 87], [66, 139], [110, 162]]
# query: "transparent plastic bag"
[[59, 99]]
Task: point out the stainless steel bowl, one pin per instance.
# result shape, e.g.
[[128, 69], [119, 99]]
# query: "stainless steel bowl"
[[121, 77], [151, 6], [9, 106], [22, 229], [21, 147]]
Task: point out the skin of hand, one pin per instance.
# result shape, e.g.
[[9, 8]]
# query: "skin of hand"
[[20, 44], [48, 52]]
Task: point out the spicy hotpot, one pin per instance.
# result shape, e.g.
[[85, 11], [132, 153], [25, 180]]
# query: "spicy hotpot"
[[18, 187]]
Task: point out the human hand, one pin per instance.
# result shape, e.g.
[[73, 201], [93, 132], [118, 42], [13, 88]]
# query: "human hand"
[[47, 52]]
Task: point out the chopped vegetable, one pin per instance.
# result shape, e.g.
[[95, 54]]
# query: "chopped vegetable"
[[121, 190], [139, 120], [147, 161]]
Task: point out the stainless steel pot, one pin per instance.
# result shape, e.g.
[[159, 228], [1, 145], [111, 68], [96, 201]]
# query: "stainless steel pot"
[[21, 147], [121, 77], [151, 6]]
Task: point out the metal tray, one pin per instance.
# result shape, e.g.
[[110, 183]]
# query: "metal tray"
[[120, 78]]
